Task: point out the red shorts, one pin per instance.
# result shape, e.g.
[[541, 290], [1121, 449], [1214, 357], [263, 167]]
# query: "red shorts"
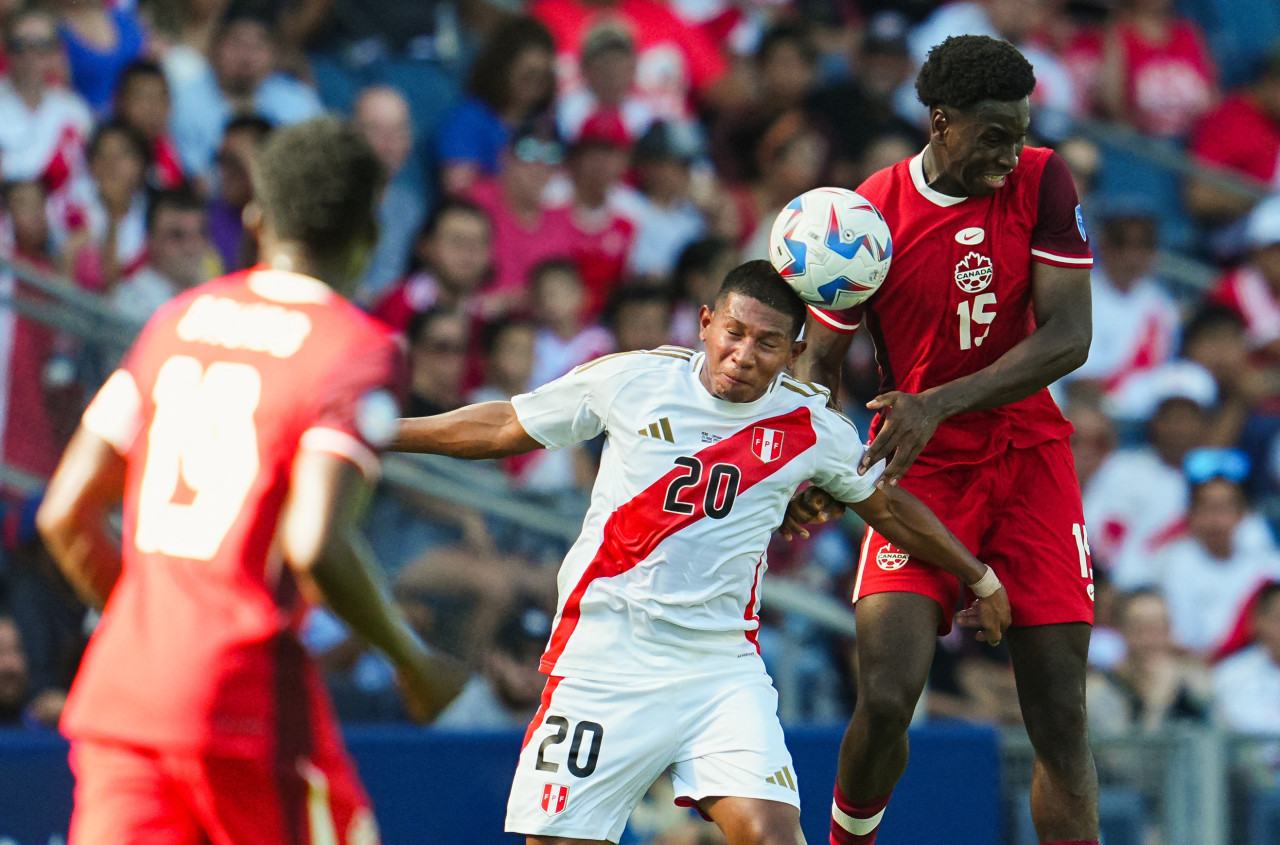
[[125, 795], [1020, 513]]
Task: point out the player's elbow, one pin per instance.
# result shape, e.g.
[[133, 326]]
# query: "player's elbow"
[[57, 525], [1074, 348]]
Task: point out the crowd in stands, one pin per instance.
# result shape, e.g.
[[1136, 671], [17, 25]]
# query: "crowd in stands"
[[570, 178]]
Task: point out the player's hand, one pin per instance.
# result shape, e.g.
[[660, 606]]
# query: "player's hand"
[[811, 506], [909, 423], [991, 616]]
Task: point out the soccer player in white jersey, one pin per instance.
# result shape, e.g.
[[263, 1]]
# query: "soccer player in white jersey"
[[653, 663]]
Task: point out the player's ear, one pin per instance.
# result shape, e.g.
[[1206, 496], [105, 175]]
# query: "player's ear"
[[797, 349], [704, 320], [939, 122]]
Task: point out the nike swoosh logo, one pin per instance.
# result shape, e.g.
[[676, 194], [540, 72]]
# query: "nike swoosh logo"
[[970, 236]]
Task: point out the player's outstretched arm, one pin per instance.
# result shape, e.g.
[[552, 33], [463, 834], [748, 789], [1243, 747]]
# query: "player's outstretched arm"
[[476, 432], [85, 489], [321, 540], [905, 521], [822, 358], [1060, 343]]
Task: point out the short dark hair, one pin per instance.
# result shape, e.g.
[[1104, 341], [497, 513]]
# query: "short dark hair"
[[491, 333], [964, 70], [451, 205], [422, 321], [796, 33], [142, 68], [490, 78], [760, 281], [135, 138], [548, 266], [255, 123], [317, 183], [177, 199], [1208, 320], [637, 294]]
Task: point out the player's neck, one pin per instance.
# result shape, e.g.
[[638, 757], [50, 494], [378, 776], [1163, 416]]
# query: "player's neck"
[[292, 258], [935, 176]]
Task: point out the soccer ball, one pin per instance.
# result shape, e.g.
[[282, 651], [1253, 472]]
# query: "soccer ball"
[[832, 246]]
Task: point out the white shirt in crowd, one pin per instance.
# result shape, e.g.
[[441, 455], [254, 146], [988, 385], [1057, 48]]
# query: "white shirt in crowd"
[[30, 140], [1132, 330], [1205, 594], [1246, 692]]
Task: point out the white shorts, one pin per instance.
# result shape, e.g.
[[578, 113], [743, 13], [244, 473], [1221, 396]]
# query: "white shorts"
[[595, 747]]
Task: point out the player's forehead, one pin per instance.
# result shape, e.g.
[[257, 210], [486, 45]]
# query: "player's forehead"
[[1011, 117], [758, 318]]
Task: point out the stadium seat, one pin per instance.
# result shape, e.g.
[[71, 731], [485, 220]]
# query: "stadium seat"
[[1264, 817], [1240, 32], [1120, 812]]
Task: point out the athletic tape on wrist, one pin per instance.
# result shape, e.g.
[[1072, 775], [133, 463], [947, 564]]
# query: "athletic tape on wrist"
[[986, 585]]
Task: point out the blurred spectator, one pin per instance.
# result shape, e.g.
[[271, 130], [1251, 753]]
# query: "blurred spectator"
[[234, 190], [1093, 440], [438, 344], [565, 339], [453, 255], [784, 75], [142, 101], [508, 348], [13, 676], [1158, 75], [702, 267], [1153, 685], [1138, 496], [526, 231], [511, 84], [43, 128], [506, 692], [101, 39], [99, 223], [1207, 576], [609, 78], [859, 110], [972, 682], [1247, 683], [640, 318], [597, 163], [1135, 322], [1241, 137], [791, 158], [1083, 159], [414, 47], [663, 209], [240, 78], [675, 63], [381, 114], [1215, 339], [177, 256], [1252, 290], [1055, 103]]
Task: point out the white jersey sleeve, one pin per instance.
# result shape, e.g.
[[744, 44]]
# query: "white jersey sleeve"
[[574, 407], [840, 450]]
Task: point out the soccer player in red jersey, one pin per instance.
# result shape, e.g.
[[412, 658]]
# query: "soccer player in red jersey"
[[242, 435], [986, 303]]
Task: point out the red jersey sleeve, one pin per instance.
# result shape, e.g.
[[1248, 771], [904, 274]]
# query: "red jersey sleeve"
[[357, 413], [1059, 237]]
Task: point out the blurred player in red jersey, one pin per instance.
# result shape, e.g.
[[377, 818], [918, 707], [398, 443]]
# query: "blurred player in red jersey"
[[986, 303], [242, 434]]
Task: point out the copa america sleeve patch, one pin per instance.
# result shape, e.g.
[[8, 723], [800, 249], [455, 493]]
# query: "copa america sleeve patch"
[[1080, 224], [377, 418]]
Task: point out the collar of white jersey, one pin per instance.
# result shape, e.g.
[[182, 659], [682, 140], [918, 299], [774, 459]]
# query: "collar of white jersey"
[[724, 406], [916, 166]]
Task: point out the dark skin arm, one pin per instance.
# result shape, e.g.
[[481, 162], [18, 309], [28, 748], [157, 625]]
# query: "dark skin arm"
[[84, 491], [476, 432], [1060, 343], [321, 541], [907, 523]]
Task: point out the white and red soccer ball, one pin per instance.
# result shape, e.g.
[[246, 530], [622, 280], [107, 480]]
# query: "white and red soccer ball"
[[832, 246]]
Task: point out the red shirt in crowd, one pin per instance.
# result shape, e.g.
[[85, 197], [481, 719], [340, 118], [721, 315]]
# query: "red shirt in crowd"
[[1240, 136]]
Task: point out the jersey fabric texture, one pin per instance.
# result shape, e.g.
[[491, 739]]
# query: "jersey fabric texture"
[[958, 294], [595, 747], [665, 575], [197, 653]]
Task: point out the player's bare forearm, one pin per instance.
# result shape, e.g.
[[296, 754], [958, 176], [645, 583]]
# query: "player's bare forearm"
[[1058, 346], [321, 542], [476, 432], [73, 517], [823, 357], [905, 521]]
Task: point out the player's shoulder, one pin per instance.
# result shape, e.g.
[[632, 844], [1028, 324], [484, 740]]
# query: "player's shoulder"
[[803, 392], [1031, 167], [879, 185], [668, 358]]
